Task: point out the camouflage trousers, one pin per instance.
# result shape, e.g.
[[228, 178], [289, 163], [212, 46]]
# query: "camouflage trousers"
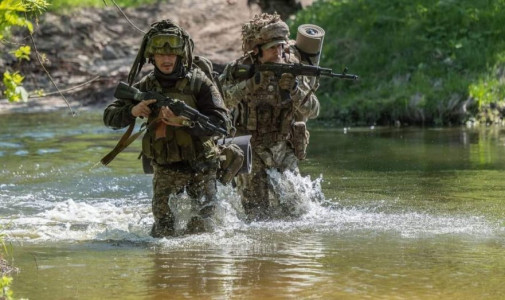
[[200, 186], [258, 196]]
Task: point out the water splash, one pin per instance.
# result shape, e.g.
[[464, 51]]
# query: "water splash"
[[296, 193], [121, 212]]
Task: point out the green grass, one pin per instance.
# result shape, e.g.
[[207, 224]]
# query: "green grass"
[[419, 58]]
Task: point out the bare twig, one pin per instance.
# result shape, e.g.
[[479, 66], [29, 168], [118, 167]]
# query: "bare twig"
[[66, 90], [47, 72], [124, 15]]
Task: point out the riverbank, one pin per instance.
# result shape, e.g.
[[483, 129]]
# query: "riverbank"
[[416, 65], [88, 51], [422, 62]]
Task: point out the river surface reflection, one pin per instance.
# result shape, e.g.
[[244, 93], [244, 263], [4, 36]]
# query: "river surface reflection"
[[388, 213]]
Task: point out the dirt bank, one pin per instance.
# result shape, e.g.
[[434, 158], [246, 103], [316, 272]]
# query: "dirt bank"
[[88, 51]]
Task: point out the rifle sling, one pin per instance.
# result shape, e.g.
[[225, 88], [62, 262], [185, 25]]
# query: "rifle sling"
[[126, 140]]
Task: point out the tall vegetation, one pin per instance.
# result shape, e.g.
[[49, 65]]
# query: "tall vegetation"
[[422, 61]]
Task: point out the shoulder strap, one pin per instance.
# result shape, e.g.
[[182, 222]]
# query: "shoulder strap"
[[123, 142], [126, 140], [196, 81], [181, 84]]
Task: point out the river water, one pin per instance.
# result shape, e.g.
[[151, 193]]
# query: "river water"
[[387, 214]]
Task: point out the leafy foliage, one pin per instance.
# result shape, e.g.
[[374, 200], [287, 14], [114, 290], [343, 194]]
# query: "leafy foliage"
[[14, 91], [5, 281], [421, 60], [5, 291], [13, 13]]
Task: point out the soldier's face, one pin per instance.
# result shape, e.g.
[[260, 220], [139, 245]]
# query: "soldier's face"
[[272, 54], [165, 62]]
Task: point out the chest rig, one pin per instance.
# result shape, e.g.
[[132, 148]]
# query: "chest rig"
[[177, 145], [266, 115]]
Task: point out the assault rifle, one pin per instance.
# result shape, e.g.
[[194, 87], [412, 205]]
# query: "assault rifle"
[[243, 72], [179, 108]]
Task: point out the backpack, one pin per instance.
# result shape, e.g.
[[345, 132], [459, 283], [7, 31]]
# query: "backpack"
[[204, 64]]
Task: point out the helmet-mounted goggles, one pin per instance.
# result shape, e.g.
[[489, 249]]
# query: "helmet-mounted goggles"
[[160, 40], [273, 43], [165, 44]]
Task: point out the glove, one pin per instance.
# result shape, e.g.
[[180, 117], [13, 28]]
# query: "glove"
[[259, 80], [288, 82]]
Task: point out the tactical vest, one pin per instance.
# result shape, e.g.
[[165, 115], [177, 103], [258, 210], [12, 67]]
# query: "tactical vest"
[[266, 116], [177, 145]]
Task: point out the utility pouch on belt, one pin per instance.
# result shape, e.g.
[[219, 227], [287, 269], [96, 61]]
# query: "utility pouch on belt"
[[232, 158], [300, 139], [236, 157]]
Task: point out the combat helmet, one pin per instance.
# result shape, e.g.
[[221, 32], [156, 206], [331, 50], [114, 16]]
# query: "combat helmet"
[[164, 37], [264, 30]]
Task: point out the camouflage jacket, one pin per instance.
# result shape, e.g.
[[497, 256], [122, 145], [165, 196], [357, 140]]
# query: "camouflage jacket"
[[179, 143], [262, 112]]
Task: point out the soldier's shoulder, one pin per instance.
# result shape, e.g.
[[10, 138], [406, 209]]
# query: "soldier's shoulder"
[[146, 82], [243, 60], [198, 73], [198, 78], [292, 53]]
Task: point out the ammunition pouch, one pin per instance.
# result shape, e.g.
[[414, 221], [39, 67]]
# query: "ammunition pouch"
[[232, 158], [235, 158], [146, 164], [299, 139]]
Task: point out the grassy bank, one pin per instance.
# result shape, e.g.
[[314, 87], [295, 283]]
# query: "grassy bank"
[[420, 61]]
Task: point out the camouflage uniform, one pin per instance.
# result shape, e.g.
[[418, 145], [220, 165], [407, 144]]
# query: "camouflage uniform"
[[184, 159], [274, 124]]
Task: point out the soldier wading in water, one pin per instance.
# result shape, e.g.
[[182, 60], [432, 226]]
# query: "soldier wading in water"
[[261, 108], [184, 158]]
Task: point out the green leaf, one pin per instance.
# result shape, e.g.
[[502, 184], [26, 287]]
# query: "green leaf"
[[14, 91], [23, 94], [22, 52]]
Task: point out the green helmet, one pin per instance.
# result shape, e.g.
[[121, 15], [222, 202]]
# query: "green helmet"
[[164, 37]]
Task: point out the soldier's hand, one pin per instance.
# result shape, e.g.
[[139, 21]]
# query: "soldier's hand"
[[168, 117], [259, 80], [287, 82], [142, 109]]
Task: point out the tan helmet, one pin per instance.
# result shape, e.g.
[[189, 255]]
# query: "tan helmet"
[[264, 30]]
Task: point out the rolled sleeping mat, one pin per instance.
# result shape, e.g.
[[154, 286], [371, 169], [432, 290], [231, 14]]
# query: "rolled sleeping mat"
[[309, 41]]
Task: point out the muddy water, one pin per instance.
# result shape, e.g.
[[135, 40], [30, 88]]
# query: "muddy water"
[[387, 213]]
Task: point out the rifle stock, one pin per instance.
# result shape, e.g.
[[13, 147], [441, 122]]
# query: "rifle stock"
[[124, 91]]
